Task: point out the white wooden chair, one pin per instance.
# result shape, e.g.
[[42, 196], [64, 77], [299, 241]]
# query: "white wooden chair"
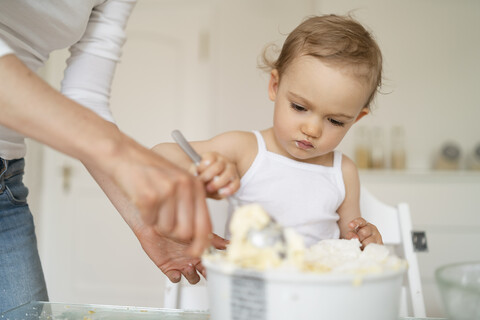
[[393, 222], [395, 226], [183, 295]]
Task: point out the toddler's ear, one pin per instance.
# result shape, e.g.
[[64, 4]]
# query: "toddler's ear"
[[273, 84], [362, 113]]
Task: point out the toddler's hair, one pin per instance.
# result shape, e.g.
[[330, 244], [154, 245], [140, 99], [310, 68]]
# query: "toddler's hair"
[[336, 40]]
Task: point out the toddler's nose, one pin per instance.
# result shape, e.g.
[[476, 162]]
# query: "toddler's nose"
[[312, 128]]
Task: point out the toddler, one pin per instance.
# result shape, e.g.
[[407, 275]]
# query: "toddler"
[[322, 83]]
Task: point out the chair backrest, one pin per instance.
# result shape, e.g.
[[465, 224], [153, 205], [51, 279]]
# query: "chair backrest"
[[395, 226], [183, 295]]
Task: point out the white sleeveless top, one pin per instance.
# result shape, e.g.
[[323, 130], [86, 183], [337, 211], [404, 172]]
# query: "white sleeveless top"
[[298, 195]]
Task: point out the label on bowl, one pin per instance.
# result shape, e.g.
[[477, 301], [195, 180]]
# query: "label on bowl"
[[248, 298]]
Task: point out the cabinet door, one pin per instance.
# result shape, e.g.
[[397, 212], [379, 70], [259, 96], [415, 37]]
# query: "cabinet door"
[[88, 252]]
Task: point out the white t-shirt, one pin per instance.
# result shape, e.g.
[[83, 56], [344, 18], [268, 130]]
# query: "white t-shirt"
[[298, 195], [93, 29]]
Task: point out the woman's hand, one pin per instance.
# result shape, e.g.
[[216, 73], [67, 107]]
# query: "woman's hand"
[[364, 231], [169, 255], [219, 175], [168, 198]]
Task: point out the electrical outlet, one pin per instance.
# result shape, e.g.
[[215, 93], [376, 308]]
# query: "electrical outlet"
[[419, 239]]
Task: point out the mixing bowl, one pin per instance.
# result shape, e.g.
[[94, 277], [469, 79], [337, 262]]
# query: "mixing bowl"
[[459, 285], [241, 294]]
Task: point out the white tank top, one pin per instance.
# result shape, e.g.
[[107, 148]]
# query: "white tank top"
[[298, 195]]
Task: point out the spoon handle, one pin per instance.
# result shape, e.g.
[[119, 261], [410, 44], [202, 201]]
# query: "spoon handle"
[[186, 146], [196, 158]]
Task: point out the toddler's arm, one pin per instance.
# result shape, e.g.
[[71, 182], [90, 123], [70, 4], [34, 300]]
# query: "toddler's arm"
[[218, 172], [351, 224]]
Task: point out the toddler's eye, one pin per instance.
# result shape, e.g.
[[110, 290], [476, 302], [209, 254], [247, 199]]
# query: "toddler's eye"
[[336, 123], [297, 107]]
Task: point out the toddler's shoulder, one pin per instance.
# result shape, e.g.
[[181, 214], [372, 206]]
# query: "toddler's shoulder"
[[238, 139], [348, 166], [241, 146]]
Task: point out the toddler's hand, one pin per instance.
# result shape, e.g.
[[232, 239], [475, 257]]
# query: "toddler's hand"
[[364, 231], [219, 175]]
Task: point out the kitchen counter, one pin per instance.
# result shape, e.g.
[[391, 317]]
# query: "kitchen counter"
[[52, 311]]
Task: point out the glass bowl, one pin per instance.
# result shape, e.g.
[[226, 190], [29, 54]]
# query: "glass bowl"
[[459, 285]]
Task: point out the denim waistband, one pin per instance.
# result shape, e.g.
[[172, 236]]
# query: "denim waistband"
[[3, 167], [9, 168]]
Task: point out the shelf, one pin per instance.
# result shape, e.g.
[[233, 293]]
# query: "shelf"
[[411, 175]]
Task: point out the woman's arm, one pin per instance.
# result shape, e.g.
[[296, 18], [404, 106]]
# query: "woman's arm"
[[93, 58], [170, 256], [159, 189]]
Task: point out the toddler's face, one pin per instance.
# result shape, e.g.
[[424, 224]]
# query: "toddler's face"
[[315, 106]]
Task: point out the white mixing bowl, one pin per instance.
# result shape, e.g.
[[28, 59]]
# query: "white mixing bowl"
[[241, 294]]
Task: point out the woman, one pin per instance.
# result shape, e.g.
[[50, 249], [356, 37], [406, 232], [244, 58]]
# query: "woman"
[[78, 123]]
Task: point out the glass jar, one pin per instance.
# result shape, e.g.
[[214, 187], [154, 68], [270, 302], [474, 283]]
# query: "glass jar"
[[449, 157], [362, 147], [474, 158], [378, 149], [398, 152]]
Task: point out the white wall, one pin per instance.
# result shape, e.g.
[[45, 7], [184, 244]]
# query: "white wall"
[[240, 31], [431, 50]]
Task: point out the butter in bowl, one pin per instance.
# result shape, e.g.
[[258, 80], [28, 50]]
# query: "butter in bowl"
[[333, 279]]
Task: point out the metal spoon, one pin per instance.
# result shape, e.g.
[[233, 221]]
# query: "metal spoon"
[[268, 236], [196, 158]]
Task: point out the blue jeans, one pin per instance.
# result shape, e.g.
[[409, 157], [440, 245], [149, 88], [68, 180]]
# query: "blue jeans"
[[21, 275]]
